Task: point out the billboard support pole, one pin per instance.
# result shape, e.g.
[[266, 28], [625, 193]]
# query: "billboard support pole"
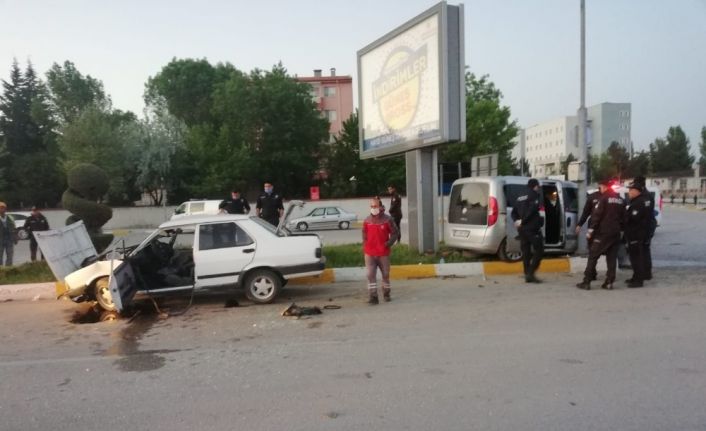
[[422, 187]]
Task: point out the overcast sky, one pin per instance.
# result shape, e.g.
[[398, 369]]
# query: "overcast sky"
[[651, 53]]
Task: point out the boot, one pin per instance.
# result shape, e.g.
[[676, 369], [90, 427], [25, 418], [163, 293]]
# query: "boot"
[[373, 298], [608, 285], [386, 294], [532, 279], [629, 280], [585, 285], [635, 283]]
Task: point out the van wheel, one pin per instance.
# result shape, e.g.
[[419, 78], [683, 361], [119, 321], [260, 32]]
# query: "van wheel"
[[508, 256], [262, 286], [102, 292]]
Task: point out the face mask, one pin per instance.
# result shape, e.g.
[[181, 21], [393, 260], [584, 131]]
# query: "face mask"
[[374, 211], [268, 190]]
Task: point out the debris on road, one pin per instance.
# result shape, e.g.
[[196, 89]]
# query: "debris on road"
[[296, 311]]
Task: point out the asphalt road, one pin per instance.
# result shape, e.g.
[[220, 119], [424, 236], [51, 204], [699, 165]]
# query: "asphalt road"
[[456, 354]]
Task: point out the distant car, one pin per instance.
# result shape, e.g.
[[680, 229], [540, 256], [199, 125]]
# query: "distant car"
[[323, 218], [192, 253], [19, 217]]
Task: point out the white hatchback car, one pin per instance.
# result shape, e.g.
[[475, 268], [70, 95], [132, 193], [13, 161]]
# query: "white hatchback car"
[[191, 253]]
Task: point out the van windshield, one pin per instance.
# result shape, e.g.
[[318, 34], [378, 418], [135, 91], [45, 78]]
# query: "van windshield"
[[469, 204]]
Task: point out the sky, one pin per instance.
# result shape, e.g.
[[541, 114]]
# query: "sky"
[[651, 53]]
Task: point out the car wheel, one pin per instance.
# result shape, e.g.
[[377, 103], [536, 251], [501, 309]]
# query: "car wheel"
[[22, 234], [344, 225], [302, 226], [508, 256], [262, 286], [102, 292]]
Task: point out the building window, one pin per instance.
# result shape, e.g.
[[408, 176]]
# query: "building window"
[[330, 114], [682, 184], [329, 91]]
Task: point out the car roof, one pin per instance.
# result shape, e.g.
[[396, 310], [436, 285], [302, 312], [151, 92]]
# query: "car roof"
[[198, 219]]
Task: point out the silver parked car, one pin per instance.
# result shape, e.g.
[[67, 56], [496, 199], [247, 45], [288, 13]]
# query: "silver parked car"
[[324, 218], [19, 217]]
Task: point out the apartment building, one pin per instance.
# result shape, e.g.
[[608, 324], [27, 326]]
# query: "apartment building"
[[546, 145], [333, 96]]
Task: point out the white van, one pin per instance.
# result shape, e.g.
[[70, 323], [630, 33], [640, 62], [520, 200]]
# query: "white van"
[[196, 207], [479, 215]]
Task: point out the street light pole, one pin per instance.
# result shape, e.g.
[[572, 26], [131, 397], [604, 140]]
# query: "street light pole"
[[582, 120]]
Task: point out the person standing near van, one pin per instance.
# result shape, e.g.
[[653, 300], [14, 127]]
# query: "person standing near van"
[[36, 222], [647, 244], [591, 202], [529, 222], [395, 208], [604, 231], [237, 204], [637, 231], [379, 235], [8, 236], [269, 205]]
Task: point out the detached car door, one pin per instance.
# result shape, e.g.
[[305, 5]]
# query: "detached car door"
[[221, 252]]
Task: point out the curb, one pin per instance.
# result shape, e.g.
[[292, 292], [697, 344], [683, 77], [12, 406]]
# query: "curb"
[[32, 291]]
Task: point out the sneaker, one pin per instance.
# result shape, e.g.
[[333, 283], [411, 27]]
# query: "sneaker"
[[386, 295], [532, 279], [607, 285], [373, 300]]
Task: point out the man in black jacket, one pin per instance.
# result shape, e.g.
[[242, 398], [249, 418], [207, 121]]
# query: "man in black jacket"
[[529, 223], [395, 208], [637, 232], [34, 223], [604, 231], [236, 204], [641, 181], [591, 202]]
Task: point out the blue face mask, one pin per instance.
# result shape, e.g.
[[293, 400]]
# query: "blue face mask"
[[268, 190]]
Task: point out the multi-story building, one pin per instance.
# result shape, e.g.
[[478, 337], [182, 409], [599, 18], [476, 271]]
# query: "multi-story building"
[[333, 96], [546, 145]]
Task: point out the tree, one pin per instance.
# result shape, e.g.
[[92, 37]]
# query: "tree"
[[243, 129], [602, 167], [71, 92], [161, 135], [488, 126], [619, 158], [348, 175], [639, 164], [105, 140], [520, 167], [671, 154], [28, 132], [187, 86]]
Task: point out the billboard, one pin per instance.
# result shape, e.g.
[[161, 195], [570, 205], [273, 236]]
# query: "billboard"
[[411, 85]]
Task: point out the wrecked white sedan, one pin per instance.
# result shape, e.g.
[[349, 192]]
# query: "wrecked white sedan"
[[192, 253]]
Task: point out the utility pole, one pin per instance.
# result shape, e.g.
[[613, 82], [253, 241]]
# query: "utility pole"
[[583, 142]]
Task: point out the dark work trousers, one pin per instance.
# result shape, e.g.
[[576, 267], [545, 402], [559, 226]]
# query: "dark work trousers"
[[398, 220], [609, 247], [648, 259], [636, 250], [532, 246], [33, 249]]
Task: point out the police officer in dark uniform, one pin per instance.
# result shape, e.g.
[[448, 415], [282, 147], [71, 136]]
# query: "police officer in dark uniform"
[[237, 204], [34, 223], [591, 202], [395, 208], [637, 231], [641, 181], [529, 223], [604, 231], [269, 205]]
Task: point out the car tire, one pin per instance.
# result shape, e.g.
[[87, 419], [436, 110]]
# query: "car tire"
[[507, 256], [22, 234], [101, 290], [302, 226], [344, 225], [262, 286]]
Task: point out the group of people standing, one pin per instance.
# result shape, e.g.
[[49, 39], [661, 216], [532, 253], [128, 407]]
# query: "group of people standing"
[[269, 205], [610, 221], [9, 237]]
